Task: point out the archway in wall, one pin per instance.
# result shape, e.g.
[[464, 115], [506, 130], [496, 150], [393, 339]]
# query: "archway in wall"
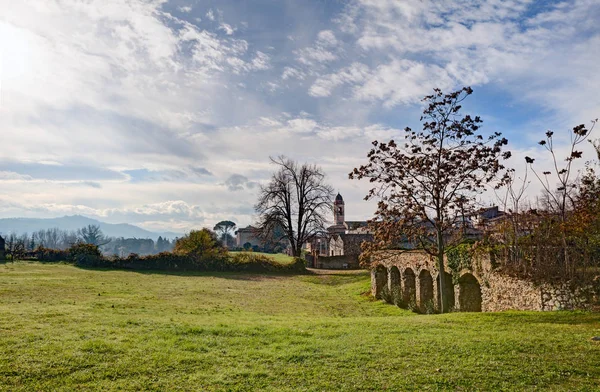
[[469, 294], [380, 281], [395, 285], [425, 291], [448, 292], [409, 288]]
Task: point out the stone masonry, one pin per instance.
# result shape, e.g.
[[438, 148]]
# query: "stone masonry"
[[411, 279]]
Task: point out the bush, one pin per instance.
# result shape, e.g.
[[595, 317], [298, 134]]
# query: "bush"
[[202, 246], [85, 255], [50, 255]]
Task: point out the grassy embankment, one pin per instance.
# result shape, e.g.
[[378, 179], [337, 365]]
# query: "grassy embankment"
[[278, 257], [64, 328]]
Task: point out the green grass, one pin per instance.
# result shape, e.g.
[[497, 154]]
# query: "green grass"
[[64, 328], [278, 257]]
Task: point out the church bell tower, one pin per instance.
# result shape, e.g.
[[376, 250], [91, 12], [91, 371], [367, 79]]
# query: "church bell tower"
[[338, 210]]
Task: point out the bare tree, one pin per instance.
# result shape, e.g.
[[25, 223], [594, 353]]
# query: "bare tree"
[[67, 239], [295, 204], [561, 200], [16, 246], [427, 185], [91, 234]]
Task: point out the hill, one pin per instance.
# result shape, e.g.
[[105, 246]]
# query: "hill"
[[74, 222]]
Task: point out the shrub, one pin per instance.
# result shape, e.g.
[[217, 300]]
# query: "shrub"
[[85, 255], [51, 255], [202, 246]]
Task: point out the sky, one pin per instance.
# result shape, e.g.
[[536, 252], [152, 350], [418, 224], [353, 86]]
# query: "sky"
[[164, 113]]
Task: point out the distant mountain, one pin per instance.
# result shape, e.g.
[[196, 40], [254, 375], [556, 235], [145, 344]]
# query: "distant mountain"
[[74, 222]]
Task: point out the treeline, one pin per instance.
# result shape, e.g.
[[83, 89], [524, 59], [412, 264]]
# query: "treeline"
[[197, 251], [25, 245]]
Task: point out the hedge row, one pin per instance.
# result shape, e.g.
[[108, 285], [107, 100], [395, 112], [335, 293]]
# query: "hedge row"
[[85, 255]]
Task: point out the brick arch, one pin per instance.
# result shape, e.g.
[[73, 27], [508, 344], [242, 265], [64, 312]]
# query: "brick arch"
[[395, 285], [469, 293], [425, 290]]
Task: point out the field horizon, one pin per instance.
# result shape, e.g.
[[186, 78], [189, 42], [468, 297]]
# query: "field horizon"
[[66, 328]]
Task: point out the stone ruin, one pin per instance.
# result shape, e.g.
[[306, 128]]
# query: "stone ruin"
[[411, 279]]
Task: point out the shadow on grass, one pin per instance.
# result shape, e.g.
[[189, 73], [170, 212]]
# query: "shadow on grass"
[[333, 279], [512, 318], [236, 275]]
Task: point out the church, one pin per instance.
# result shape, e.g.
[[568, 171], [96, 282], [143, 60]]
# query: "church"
[[340, 248]]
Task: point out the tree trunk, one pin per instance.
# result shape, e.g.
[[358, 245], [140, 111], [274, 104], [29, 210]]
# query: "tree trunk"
[[442, 273]]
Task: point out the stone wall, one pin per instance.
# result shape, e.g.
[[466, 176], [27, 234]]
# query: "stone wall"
[[337, 262], [411, 279]]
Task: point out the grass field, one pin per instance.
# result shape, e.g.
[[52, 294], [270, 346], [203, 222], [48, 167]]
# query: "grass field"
[[278, 257], [64, 328]]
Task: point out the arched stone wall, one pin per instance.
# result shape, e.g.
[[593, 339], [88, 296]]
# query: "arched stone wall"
[[409, 288], [482, 288], [381, 280], [394, 285], [425, 291], [448, 295], [469, 294]]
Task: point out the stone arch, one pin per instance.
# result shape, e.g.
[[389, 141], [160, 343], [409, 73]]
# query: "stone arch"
[[425, 290], [381, 281], [409, 288], [449, 300], [469, 293], [394, 283]]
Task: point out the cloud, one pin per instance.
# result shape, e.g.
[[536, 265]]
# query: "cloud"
[[310, 56], [323, 50], [111, 105], [237, 182], [9, 175], [227, 29], [515, 45], [292, 73], [327, 38], [66, 172], [354, 74], [191, 174]]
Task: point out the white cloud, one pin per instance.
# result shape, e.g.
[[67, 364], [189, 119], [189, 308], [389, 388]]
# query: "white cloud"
[[403, 82], [538, 56], [353, 74], [327, 38], [312, 55], [105, 87], [227, 28], [292, 73]]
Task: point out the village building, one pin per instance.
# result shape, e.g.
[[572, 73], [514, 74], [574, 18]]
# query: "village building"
[[247, 235], [341, 246]]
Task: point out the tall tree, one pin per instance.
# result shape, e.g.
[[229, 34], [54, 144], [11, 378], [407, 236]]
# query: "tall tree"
[[91, 234], [428, 184], [294, 206], [223, 230]]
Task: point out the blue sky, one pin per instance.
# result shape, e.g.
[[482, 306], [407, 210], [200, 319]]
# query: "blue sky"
[[164, 113]]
